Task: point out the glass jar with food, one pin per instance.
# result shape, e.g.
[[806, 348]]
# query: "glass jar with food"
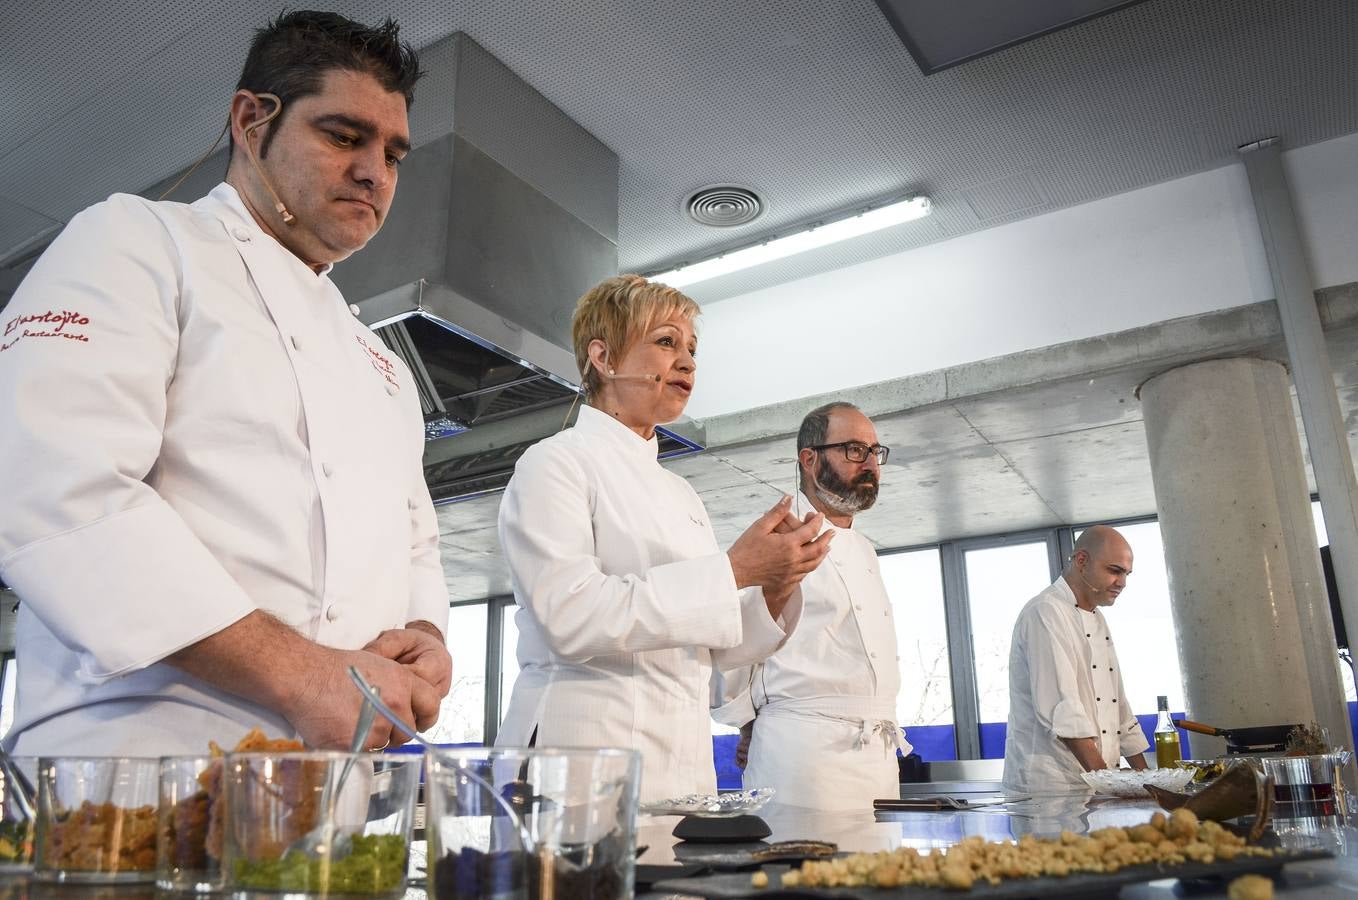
[[18, 811], [531, 823], [318, 823], [96, 819]]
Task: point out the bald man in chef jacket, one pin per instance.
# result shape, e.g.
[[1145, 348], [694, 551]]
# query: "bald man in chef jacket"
[[213, 496], [1068, 711]]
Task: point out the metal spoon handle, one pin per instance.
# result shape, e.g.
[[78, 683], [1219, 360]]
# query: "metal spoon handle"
[[365, 723], [375, 698], [19, 786]]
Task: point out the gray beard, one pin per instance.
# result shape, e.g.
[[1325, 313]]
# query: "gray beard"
[[839, 496], [841, 506]]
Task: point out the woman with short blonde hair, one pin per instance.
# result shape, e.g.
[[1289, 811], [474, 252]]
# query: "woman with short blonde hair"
[[625, 599], [616, 312]]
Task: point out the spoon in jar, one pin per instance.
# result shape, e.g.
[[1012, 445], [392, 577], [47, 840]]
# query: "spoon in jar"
[[371, 694], [323, 840], [18, 787]]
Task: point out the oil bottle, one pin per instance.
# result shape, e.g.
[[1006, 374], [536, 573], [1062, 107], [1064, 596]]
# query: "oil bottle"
[[1167, 751]]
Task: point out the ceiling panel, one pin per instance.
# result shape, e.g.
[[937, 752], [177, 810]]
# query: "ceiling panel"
[[1088, 475], [814, 103], [709, 473], [20, 225], [1059, 408], [960, 494]]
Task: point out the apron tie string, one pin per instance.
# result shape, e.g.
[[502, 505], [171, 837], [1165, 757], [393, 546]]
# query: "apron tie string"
[[871, 729]]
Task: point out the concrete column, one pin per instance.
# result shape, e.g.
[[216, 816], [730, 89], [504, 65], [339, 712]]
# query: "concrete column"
[[1256, 643]]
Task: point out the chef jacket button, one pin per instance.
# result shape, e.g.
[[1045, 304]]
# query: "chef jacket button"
[[873, 654], [1105, 731], [1119, 732], [241, 234], [296, 342], [858, 606], [331, 614], [1089, 635], [327, 469], [353, 308], [1115, 699], [392, 389], [1098, 699]]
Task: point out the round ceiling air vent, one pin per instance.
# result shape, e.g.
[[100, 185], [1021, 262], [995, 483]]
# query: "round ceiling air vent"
[[724, 206]]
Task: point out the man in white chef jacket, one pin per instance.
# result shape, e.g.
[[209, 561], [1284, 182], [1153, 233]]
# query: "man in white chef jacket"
[[818, 717], [1068, 712], [211, 470]]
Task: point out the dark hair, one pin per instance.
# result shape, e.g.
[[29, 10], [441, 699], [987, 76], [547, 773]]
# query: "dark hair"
[[291, 55], [817, 424], [815, 427]]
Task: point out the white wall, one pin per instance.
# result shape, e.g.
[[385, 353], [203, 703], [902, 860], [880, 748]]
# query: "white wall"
[[1175, 249], [1324, 181]]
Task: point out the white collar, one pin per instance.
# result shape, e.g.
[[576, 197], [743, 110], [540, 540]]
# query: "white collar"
[[596, 422], [802, 505], [1070, 599], [226, 196]]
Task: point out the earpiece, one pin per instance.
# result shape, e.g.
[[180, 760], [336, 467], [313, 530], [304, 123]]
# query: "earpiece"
[[288, 218]]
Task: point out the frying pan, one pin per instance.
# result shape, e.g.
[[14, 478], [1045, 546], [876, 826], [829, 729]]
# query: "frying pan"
[[1241, 737]]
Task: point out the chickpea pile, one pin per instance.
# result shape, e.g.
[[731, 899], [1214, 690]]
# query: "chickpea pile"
[[1177, 838]]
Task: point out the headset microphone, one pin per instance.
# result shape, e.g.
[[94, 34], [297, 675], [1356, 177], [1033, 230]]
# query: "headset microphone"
[[612, 376], [1090, 586], [288, 218]]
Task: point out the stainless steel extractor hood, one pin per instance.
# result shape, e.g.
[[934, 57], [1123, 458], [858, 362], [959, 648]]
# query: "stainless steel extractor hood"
[[506, 212]]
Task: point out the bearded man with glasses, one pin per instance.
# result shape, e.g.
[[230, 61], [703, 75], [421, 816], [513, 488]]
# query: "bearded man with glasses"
[[818, 717]]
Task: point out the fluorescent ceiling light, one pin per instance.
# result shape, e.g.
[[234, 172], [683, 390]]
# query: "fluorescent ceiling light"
[[817, 236]]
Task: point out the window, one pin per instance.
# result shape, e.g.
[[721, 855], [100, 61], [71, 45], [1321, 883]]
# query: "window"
[[1322, 536], [999, 581], [1142, 625], [462, 718], [1323, 540], [914, 582]]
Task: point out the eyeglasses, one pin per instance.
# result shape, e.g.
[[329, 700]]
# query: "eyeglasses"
[[857, 451]]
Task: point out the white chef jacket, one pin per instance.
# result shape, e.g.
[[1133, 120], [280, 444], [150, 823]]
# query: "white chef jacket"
[[1064, 682], [624, 601], [826, 734], [195, 426]]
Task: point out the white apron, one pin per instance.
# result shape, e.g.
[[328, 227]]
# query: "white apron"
[[826, 736]]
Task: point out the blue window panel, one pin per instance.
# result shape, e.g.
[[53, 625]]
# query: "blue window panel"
[[933, 743]]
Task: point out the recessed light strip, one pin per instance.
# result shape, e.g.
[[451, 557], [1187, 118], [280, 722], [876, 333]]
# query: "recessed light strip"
[[779, 248]]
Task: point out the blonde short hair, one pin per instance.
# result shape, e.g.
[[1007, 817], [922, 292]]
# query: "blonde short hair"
[[618, 311]]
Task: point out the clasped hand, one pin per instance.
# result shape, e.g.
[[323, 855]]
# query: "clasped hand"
[[777, 552], [410, 666]]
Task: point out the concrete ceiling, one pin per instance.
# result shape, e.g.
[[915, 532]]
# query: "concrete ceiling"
[[815, 104], [1061, 443]]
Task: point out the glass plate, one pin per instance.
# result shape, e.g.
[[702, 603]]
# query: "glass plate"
[[1132, 783], [711, 806]]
